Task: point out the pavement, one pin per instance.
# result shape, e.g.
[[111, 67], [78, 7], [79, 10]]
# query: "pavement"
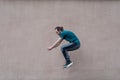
[[27, 30]]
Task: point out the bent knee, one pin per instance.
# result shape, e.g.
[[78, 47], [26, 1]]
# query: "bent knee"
[[63, 48]]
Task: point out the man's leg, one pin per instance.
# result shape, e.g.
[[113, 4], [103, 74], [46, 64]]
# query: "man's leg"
[[66, 48]]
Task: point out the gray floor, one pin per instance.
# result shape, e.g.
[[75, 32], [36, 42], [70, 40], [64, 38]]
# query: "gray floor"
[[27, 30]]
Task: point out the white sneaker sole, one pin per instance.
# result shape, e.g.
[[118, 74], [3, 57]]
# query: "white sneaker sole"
[[69, 65]]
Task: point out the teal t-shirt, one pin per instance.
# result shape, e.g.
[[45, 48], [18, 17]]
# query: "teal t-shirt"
[[69, 36]]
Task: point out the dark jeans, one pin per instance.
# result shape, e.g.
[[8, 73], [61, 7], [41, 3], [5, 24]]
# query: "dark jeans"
[[69, 47]]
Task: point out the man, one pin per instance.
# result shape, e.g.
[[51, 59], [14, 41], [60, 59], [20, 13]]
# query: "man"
[[73, 44]]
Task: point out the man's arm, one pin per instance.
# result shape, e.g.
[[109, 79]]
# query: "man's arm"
[[56, 44]]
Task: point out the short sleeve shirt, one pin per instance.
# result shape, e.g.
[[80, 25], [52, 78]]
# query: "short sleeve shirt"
[[69, 36]]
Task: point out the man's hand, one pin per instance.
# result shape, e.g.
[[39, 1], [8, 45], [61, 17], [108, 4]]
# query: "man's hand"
[[49, 48], [56, 44]]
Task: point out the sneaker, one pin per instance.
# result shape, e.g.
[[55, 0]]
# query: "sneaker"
[[68, 64]]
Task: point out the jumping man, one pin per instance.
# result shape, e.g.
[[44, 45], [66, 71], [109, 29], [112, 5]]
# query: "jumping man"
[[73, 44]]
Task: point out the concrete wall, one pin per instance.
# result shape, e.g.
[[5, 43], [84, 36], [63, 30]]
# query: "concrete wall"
[[27, 30]]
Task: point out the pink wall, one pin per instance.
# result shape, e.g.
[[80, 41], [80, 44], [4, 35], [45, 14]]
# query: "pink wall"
[[27, 30]]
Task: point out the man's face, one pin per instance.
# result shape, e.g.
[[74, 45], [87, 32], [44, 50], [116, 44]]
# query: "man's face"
[[57, 32]]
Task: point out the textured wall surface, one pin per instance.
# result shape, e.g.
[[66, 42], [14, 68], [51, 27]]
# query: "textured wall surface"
[[27, 30]]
